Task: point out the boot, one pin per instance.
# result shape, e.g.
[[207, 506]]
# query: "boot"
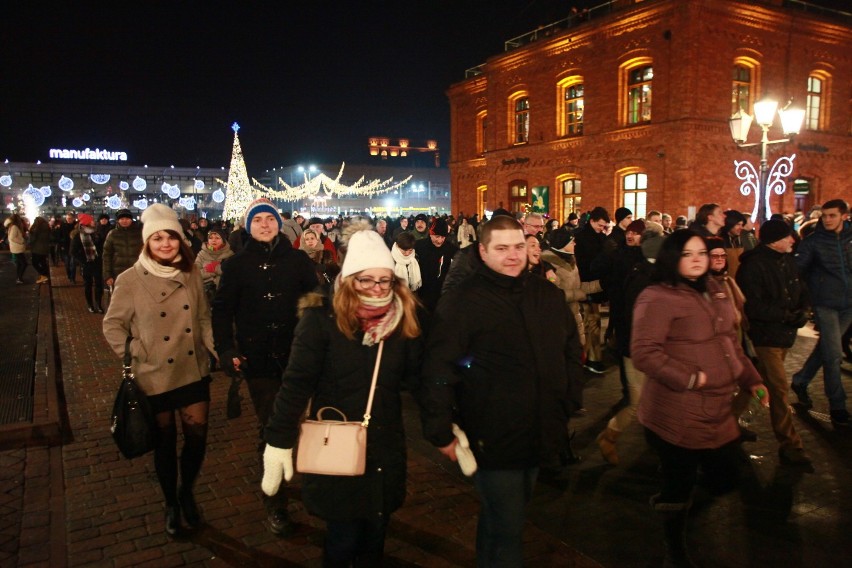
[[606, 442], [674, 533]]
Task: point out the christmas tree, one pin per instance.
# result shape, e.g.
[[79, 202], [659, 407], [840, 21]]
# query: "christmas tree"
[[239, 191]]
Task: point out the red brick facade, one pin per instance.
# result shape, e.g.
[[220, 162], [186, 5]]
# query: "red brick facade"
[[685, 150]]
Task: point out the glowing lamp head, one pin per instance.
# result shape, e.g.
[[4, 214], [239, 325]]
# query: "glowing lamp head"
[[764, 111], [791, 120], [740, 124]]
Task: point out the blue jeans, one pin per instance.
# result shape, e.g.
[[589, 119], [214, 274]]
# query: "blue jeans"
[[827, 353], [503, 495]]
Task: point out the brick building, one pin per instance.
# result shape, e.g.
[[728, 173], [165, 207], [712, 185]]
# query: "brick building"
[[629, 105]]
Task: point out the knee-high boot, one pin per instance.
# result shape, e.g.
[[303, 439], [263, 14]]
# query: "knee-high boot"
[[674, 517]]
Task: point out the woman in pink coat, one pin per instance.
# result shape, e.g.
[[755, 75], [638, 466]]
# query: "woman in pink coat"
[[684, 339]]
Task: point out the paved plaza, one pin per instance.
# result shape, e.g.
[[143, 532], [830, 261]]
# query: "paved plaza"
[[68, 499]]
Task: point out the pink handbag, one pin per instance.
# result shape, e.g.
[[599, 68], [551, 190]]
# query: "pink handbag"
[[336, 447]]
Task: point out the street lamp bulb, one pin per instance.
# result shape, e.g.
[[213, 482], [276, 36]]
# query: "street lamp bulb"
[[300, 169], [764, 112], [791, 120], [740, 124]]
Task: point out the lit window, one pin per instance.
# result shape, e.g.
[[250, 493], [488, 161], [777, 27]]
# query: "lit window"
[[639, 94], [573, 110], [481, 130], [522, 121], [813, 107], [571, 198], [741, 92], [634, 189], [518, 195]]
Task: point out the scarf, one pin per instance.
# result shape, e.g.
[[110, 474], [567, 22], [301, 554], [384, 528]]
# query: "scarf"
[[379, 317], [407, 268], [157, 269], [315, 252], [88, 243]]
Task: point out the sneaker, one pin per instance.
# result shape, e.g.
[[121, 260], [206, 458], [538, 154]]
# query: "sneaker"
[[278, 522], [91, 309], [803, 396], [840, 418], [595, 367], [794, 456], [19, 281]]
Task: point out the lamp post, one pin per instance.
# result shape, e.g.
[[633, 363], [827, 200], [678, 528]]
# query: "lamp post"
[[766, 180]]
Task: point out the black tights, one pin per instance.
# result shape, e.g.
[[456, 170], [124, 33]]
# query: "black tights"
[[194, 425]]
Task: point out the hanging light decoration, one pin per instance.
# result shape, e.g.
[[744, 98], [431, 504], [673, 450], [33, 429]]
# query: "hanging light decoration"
[[139, 184], [6, 181], [218, 196], [99, 179], [34, 194], [114, 202], [66, 184], [45, 190], [123, 185]]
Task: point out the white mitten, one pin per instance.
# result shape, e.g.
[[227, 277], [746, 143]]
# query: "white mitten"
[[276, 462], [464, 455]]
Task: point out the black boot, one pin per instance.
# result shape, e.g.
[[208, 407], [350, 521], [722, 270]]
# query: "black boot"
[[674, 533], [189, 508], [172, 520]]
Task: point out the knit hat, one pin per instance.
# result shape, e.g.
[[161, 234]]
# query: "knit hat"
[[560, 237], [315, 221], [651, 244], [85, 219], [774, 230], [621, 213], [654, 227], [422, 217], [261, 205], [103, 216], [366, 249], [439, 228], [714, 243], [159, 217], [572, 216], [124, 213], [637, 226], [219, 231]]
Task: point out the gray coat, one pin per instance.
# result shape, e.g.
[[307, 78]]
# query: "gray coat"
[[169, 321]]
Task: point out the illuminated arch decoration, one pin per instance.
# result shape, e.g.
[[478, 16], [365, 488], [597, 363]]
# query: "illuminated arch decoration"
[[750, 177], [99, 179], [139, 184], [114, 202], [6, 181], [66, 184]]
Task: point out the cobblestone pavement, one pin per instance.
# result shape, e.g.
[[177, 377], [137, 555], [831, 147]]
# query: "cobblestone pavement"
[[81, 504]]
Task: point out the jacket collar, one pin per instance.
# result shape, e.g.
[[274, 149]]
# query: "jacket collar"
[[503, 281]]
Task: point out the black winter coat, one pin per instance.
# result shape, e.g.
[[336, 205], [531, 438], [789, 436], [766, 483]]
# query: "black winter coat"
[[434, 266], [775, 296], [590, 245], [494, 367], [258, 292], [336, 371], [825, 260]]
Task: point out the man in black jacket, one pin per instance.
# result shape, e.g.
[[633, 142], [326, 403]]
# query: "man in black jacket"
[[257, 295], [434, 255], [590, 245], [509, 401], [776, 307]]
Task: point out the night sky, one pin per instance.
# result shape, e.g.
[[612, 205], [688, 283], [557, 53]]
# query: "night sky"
[[163, 81]]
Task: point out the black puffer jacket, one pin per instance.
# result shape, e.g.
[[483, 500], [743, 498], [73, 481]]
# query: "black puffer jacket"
[[775, 296], [590, 245], [121, 249], [490, 357], [336, 371], [258, 292], [825, 260]]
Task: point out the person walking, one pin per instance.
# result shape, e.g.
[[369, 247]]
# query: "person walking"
[[159, 305], [121, 247], [590, 245], [87, 250], [65, 229], [16, 237], [339, 338], [254, 316], [39, 241], [693, 363], [435, 257]]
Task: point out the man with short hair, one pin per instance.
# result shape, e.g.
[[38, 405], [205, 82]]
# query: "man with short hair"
[[776, 307], [421, 227], [654, 217], [709, 220], [382, 230], [533, 224], [825, 261], [121, 247], [65, 229], [291, 229], [434, 257], [507, 401], [590, 245], [254, 315], [666, 222]]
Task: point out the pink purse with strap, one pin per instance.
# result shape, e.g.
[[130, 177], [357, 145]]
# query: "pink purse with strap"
[[336, 447]]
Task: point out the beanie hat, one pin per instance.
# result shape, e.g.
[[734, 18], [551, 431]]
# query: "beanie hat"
[[774, 230], [732, 217], [103, 216], [439, 228], [366, 249], [422, 217], [261, 205], [219, 231], [621, 213], [654, 227], [159, 217], [85, 219], [637, 226], [560, 237], [124, 213], [315, 221], [714, 243], [651, 244], [572, 216]]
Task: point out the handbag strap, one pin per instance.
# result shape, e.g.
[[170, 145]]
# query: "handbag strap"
[[366, 421], [128, 373]]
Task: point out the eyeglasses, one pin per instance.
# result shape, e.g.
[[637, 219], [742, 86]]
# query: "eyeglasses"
[[367, 283], [540, 226], [718, 256]]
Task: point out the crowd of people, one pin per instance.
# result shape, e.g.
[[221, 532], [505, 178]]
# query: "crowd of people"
[[299, 307]]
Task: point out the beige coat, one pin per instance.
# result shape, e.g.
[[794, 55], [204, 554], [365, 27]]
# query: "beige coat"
[[568, 280], [169, 321]]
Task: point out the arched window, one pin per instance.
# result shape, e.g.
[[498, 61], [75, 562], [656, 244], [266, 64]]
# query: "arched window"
[[741, 93], [639, 82], [481, 130], [634, 192], [522, 120], [571, 103], [518, 195], [571, 196], [816, 104]]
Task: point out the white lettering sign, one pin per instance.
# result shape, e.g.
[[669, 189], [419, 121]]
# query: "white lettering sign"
[[88, 154]]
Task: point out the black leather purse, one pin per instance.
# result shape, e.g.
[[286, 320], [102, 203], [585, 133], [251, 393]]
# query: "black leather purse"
[[132, 422]]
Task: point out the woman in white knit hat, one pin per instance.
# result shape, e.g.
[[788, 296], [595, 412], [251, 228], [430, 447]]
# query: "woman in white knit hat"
[[159, 303], [334, 351]]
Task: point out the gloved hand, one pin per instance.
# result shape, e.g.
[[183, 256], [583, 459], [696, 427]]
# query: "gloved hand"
[[211, 266], [226, 361], [277, 462], [464, 455]]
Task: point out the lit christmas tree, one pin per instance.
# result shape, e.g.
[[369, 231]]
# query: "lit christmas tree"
[[239, 191]]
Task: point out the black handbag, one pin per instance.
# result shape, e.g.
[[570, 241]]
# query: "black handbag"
[[132, 422]]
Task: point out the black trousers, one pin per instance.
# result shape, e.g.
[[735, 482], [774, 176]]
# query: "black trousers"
[[93, 282]]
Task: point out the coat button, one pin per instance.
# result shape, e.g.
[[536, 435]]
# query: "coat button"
[[162, 293], [191, 352], [188, 330], [162, 314], [171, 360], [378, 469], [166, 338], [146, 273], [186, 307]]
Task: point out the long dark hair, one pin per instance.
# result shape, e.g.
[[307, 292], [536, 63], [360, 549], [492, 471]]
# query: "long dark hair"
[[666, 267]]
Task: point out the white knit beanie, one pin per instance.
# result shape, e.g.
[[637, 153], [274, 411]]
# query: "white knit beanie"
[[159, 217], [366, 249]]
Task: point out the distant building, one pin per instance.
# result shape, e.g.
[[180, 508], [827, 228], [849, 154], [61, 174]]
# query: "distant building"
[[628, 104]]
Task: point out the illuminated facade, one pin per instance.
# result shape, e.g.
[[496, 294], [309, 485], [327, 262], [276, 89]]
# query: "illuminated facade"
[[629, 105]]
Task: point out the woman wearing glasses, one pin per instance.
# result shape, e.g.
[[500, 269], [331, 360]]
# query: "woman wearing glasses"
[[331, 363], [694, 363]]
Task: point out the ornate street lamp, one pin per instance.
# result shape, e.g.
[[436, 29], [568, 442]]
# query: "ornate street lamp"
[[766, 180]]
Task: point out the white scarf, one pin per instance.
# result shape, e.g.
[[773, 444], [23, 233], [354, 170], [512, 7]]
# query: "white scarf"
[[156, 268], [406, 268]]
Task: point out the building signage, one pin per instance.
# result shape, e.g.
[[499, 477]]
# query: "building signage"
[[88, 154]]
